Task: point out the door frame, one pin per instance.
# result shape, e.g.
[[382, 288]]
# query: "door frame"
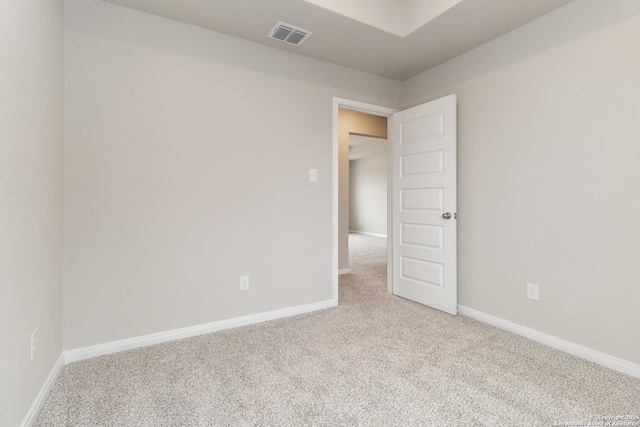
[[374, 110]]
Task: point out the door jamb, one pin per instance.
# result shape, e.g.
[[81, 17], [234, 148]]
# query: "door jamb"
[[374, 110]]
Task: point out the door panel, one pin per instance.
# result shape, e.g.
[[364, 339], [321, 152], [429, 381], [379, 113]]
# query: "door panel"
[[431, 236], [424, 263], [421, 199], [421, 163]]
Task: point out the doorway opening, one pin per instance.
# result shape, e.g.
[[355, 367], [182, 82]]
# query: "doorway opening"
[[367, 207], [421, 199], [360, 135]]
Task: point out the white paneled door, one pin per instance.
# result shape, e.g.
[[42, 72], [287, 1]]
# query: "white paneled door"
[[424, 260]]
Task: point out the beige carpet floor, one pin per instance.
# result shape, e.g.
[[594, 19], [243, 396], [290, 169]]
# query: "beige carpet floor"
[[376, 360]]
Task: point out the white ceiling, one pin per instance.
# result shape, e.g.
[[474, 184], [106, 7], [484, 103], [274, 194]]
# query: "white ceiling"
[[362, 146], [361, 38], [398, 17], [356, 139]]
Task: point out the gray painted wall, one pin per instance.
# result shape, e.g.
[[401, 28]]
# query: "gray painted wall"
[[368, 194], [548, 150], [31, 138], [181, 175]]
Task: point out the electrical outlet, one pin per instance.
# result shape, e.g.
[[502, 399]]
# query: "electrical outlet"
[[33, 343], [532, 291], [244, 283]]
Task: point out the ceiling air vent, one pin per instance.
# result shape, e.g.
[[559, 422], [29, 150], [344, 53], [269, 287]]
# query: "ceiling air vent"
[[289, 34]]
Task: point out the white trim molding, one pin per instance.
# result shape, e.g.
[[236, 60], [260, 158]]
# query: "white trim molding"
[[366, 233], [344, 271], [587, 353], [191, 331], [38, 403]]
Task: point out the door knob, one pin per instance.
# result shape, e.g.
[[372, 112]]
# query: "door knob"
[[446, 215]]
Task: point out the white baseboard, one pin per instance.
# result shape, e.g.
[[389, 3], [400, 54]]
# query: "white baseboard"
[[344, 271], [37, 404], [160, 337], [600, 358], [368, 234]]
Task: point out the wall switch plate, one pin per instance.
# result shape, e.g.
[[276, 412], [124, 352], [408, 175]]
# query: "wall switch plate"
[[244, 283], [532, 291], [313, 175], [33, 343]]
